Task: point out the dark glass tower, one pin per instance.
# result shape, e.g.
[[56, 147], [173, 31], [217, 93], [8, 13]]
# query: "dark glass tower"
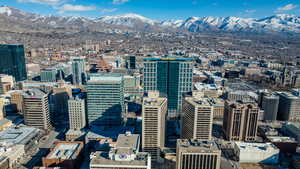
[[13, 61], [171, 77]]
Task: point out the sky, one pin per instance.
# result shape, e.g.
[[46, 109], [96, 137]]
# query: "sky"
[[158, 9]]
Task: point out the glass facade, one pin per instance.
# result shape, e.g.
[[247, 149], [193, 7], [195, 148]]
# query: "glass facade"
[[13, 61], [105, 99], [78, 70], [171, 77]]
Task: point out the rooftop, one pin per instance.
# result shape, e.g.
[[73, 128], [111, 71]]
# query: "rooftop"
[[102, 158], [194, 145], [281, 139], [256, 147], [66, 150], [18, 135], [105, 77], [168, 59], [197, 101], [34, 92], [128, 141]]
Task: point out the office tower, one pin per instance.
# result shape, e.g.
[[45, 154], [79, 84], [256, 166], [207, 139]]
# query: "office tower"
[[78, 70], [77, 114], [197, 154], [125, 155], [171, 77], [105, 99], [154, 124], [197, 119], [36, 110], [131, 62], [289, 107], [48, 75], [17, 101], [240, 121], [13, 61], [270, 104]]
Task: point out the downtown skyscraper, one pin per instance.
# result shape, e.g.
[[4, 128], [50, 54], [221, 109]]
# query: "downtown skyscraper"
[[171, 77], [13, 61], [78, 70]]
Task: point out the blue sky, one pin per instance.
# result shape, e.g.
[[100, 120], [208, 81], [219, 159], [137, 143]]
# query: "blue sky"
[[158, 9]]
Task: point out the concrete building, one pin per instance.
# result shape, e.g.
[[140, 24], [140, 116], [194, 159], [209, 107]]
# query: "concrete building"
[[6, 83], [197, 119], [105, 99], [77, 113], [13, 61], [171, 77], [125, 155], [78, 70], [36, 109], [65, 154], [270, 106], [218, 107], [240, 121], [196, 154], [289, 107], [13, 153], [154, 124], [265, 153], [17, 101]]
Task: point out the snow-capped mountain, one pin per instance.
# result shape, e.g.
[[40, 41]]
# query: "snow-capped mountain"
[[276, 23], [12, 19], [129, 20]]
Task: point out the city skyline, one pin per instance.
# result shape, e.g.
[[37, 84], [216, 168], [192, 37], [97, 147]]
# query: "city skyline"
[[157, 10]]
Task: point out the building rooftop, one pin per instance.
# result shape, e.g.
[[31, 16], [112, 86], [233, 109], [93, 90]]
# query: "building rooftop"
[[168, 59], [256, 147], [34, 93], [281, 139], [105, 77], [102, 158], [194, 145], [66, 150], [18, 135], [197, 101], [128, 141]]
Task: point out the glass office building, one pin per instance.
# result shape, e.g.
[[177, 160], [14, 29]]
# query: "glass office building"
[[105, 99], [13, 61], [78, 70], [171, 77]]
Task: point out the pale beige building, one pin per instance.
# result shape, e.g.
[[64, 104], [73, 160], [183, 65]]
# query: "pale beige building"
[[197, 119], [197, 154], [154, 124]]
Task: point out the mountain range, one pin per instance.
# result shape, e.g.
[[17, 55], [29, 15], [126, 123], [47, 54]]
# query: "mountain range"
[[14, 20]]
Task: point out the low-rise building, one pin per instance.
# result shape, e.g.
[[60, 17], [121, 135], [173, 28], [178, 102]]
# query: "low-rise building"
[[266, 153], [292, 129], [285, 144], [125, 155], [65, 154]]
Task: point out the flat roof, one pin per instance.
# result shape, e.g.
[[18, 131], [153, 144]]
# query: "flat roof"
[[128, 141], [101, 158], [65, 150], [197, 146], [168, 59], [18, 135], [281, 139], [105, 77], [148, 101], [256, 147], [34, 92]]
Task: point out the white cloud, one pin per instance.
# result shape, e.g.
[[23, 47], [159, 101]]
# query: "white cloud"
[[250, 11], [287, 7], [49, 2], [107, 10], [70, 7], [118, 2]]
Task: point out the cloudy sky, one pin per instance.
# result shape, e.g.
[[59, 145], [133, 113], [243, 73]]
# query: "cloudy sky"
[[159, 9]]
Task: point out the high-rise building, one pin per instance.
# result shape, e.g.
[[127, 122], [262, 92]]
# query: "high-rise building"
[[270, 104], [13, 61], [197, 119], [48, 75], [77, 113], [78, 70], [289, 107], [154, 124], [105, 99], [2, 111], [240, 121], [36, 110], [171, 77], [17, 101], [197, 154]]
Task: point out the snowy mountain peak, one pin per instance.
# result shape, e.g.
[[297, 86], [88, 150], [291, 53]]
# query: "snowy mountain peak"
[[5, 10], [126, 19]]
